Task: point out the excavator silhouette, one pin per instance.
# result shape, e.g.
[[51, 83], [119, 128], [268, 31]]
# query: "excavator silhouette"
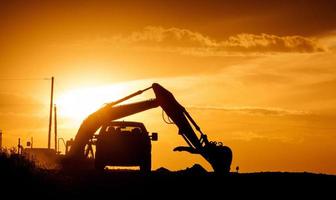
[[219, 156]]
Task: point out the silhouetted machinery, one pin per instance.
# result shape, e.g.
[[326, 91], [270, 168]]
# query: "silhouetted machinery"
[[123, 143], [219, 156]]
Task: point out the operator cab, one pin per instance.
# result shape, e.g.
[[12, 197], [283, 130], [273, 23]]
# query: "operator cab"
[[121, 143]]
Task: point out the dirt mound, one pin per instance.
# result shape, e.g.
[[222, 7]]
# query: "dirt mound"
[[195, 169]]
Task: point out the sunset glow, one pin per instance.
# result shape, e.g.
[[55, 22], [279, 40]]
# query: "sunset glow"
[[259, 76], [77, 104]]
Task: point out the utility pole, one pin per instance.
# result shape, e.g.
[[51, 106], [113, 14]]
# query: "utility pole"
[[19, 146], [0, 139], [51, 110], [55, 126]]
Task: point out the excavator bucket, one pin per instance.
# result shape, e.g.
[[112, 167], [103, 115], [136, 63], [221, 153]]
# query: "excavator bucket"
[[220, 157]]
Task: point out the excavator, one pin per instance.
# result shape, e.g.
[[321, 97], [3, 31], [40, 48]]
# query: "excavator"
[[218, 155]]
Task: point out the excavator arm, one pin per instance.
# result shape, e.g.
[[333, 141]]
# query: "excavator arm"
[[217, 155]]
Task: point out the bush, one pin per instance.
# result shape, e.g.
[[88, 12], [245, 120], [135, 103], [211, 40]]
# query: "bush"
[[15, 167]]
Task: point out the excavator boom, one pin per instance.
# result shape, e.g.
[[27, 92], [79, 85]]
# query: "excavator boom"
[[217, 155]]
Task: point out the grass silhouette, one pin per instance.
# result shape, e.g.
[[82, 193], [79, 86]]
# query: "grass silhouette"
[[22, 178]]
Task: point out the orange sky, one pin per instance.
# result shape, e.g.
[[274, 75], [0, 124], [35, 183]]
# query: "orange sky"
[[258, 75]]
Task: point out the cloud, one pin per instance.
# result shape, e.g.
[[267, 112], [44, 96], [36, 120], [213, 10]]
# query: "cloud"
[[253, 110], [185, 41], [172, 37], [271, 43]]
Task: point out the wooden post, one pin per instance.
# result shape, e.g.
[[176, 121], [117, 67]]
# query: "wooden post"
[[0, 139], [19, 146], [55, 126]]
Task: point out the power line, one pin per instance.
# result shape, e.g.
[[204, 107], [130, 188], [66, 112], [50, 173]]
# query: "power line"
[[24, 79], [23, 104]]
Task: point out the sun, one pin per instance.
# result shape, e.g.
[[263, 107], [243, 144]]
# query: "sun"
[[77, 104]]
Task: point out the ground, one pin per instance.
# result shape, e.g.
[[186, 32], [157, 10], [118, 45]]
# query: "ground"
[[22, 179]]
